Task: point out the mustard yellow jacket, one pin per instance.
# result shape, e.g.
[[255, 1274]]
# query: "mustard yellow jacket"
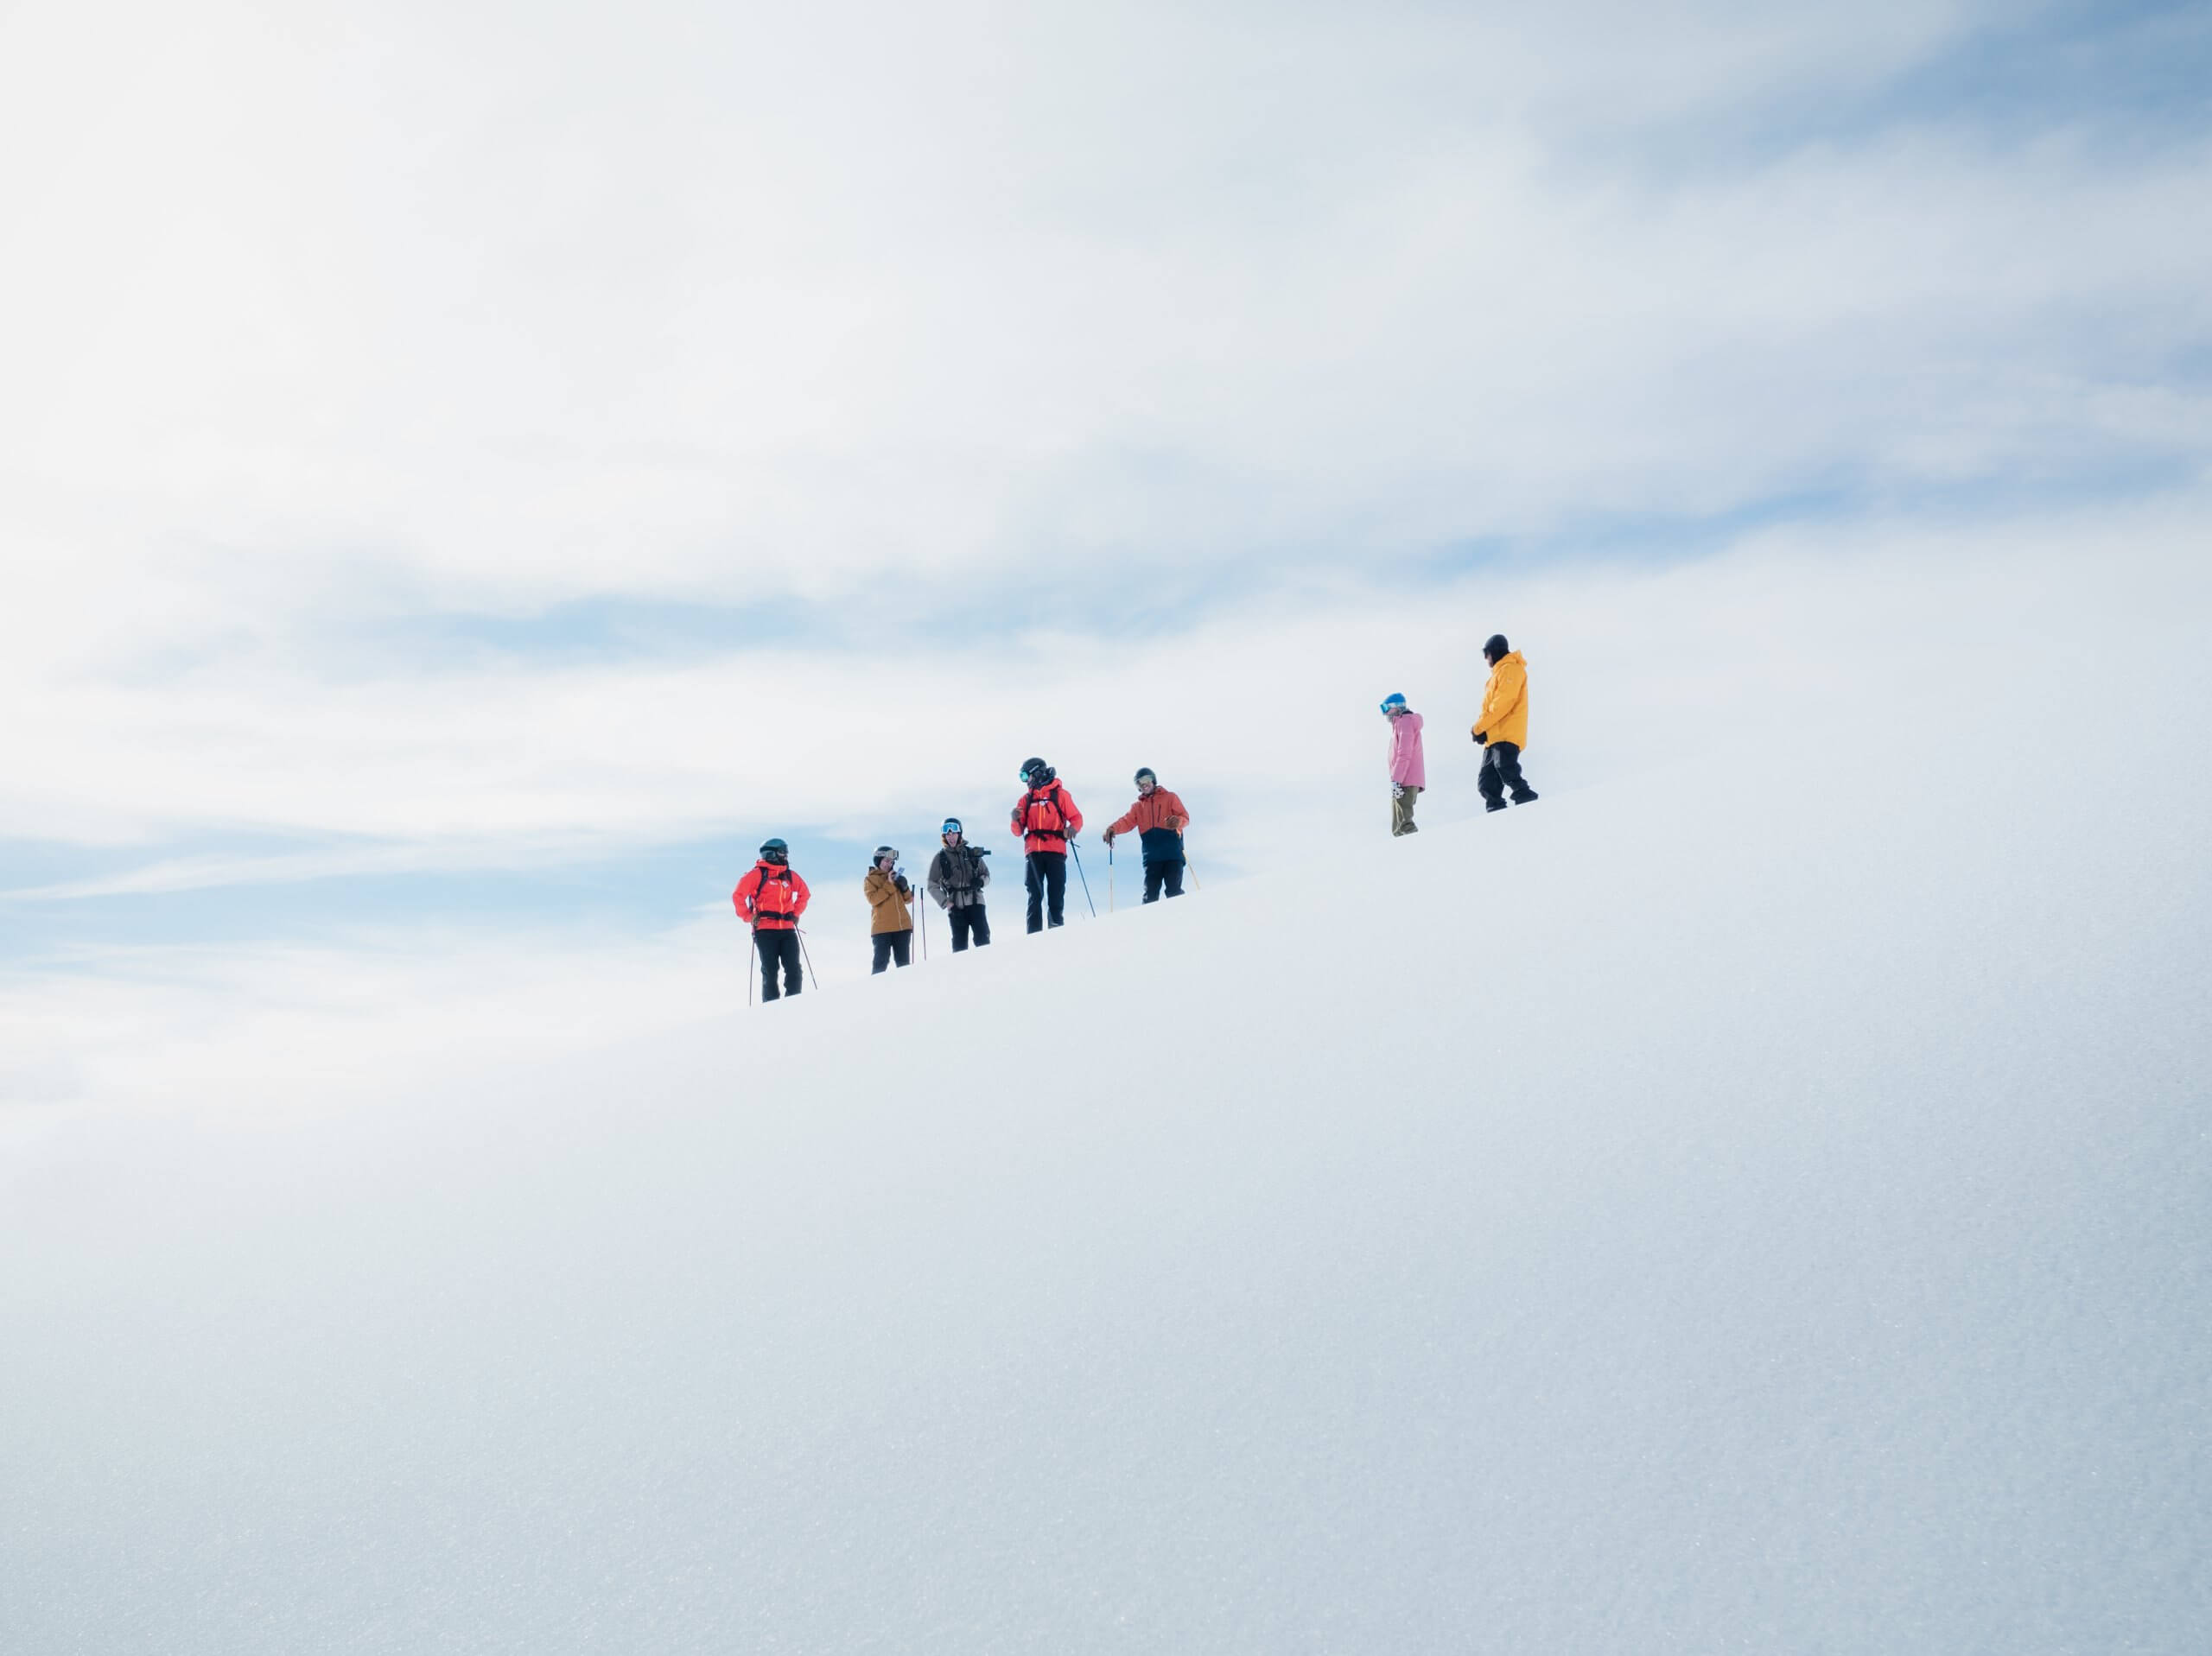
[[892, 913], [1505, 717]]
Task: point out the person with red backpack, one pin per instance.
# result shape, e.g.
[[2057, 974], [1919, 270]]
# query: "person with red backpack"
[[769, 898], [1047, 819]]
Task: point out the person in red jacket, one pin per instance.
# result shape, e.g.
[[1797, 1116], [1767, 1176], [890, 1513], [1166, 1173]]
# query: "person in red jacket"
[[1159, 819], [769, 898], [1047, 819]]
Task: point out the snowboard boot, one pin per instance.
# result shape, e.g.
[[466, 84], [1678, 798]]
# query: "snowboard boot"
[[1495, 805], [1528, 798]]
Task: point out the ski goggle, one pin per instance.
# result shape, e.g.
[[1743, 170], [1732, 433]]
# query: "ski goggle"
[[952, 826]]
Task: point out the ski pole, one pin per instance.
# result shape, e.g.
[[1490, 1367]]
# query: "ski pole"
[[921, 902], [752, 948], [1191, 869], [805, 955], [1109, 877], [1080, 875]]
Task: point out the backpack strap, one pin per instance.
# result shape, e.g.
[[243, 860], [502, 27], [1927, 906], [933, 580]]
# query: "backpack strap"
[[1057, 797], [760, 908]]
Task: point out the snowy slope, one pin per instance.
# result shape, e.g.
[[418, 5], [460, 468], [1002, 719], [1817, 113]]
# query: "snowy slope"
[[1766, 1215]]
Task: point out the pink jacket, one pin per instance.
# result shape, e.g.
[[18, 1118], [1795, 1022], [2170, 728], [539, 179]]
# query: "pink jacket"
[[1405, 752]]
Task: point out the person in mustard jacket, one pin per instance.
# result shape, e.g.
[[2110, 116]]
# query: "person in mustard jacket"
[[892, 929], [1501, 729]]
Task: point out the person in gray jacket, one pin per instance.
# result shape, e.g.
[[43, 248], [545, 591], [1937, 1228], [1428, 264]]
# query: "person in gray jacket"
[[957, 876]]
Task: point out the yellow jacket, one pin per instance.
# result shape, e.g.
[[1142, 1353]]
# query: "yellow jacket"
[[890, 911], [1505, 717]]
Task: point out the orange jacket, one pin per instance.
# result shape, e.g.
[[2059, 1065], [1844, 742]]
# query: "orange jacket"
[[1505, 717], [1045, 817], [1159, 817], [1158, 809], [770, 897]]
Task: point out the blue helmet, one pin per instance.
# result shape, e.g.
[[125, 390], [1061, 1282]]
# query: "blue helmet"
[[1395, 698], [775, 851]]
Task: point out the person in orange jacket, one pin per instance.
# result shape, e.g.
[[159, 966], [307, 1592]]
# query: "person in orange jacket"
[[1159, 819], [1047, 819], [1501, 729], [769, 898], [890, 926]]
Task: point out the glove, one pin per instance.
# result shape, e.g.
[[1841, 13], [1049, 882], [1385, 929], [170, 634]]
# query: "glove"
[[1397, 790], [1107, 838], [1482, 737], [905, 890]]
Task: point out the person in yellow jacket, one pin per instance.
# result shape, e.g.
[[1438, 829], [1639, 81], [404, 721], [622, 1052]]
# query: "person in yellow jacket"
[[1501, 729], [892, 929]]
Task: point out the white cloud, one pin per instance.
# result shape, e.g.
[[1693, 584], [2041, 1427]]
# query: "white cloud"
[[497, 309]]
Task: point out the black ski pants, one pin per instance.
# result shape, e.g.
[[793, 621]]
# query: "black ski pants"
[[1167, 872], [1501, 771], [778, 947], [1048, 885], [892, 946], [967, 921]]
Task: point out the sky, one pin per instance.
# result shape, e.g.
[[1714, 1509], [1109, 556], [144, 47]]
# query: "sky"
[[468, 474]]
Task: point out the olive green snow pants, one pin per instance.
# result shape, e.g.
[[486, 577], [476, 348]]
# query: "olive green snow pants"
[[1401, 811]]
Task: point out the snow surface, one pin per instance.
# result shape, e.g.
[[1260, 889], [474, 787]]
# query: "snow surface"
[[1728, 1210]]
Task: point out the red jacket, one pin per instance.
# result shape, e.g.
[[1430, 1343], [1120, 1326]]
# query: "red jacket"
[[1045, 816], [770, 897]]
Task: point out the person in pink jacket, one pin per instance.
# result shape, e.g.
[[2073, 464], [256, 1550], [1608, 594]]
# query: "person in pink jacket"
[[1407, 777]]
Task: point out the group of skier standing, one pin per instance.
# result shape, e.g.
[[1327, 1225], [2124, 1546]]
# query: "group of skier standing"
[[772, 897]]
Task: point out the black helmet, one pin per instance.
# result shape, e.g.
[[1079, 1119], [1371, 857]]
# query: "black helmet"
[[1496, 648], [890, 851], [1144, 771], [775, 851], [952, 826], [1036, 772]]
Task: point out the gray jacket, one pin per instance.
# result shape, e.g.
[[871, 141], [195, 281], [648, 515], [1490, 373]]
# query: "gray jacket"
[[957, 877]]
